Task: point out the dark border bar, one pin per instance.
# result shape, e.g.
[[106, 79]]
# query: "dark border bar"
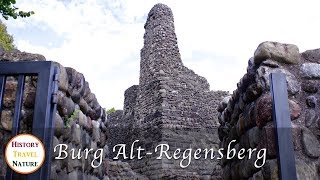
[[282, 122]]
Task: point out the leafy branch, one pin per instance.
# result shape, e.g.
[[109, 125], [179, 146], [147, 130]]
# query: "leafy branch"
[[7, 9]]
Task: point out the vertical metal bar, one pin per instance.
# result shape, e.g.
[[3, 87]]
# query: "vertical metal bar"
[[18, 105], [9, 173], [282, 122], [2, 88], [16, 115], [42, 114], [50, 122]]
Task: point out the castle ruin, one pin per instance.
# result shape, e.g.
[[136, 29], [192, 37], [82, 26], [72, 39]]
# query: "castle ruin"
[[174, 105], [171, 105]]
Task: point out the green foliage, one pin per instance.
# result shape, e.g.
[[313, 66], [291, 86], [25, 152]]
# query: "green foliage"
[[7, 9], [69, 120], [6, 40], [111, 110]]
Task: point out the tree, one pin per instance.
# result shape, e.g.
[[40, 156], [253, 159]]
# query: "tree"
[[7, 9], [6, 40]]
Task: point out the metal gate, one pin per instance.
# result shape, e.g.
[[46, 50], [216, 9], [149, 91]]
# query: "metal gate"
[[44, 108]]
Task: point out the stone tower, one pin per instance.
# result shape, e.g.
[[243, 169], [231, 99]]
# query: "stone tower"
[[160, 53], [171, 105]]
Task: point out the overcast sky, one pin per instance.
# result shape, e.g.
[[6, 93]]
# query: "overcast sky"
[[102, 38]]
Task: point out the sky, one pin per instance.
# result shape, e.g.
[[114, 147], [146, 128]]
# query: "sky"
[[102, 38]]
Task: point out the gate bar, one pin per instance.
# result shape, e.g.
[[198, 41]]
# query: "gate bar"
[[282, 123], [2, 88], [17, 115], [18, 105], [50, 124], [42, 118]]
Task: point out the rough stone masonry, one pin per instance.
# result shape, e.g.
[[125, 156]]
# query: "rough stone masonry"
[[247, 115], [171, 105], [174, 105]]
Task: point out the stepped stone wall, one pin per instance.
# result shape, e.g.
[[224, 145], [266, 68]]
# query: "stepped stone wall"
[[171, 105], [247, 115]]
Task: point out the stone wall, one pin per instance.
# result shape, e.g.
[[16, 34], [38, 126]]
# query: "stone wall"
[[171, 105], [246, 116], [79, 122]]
